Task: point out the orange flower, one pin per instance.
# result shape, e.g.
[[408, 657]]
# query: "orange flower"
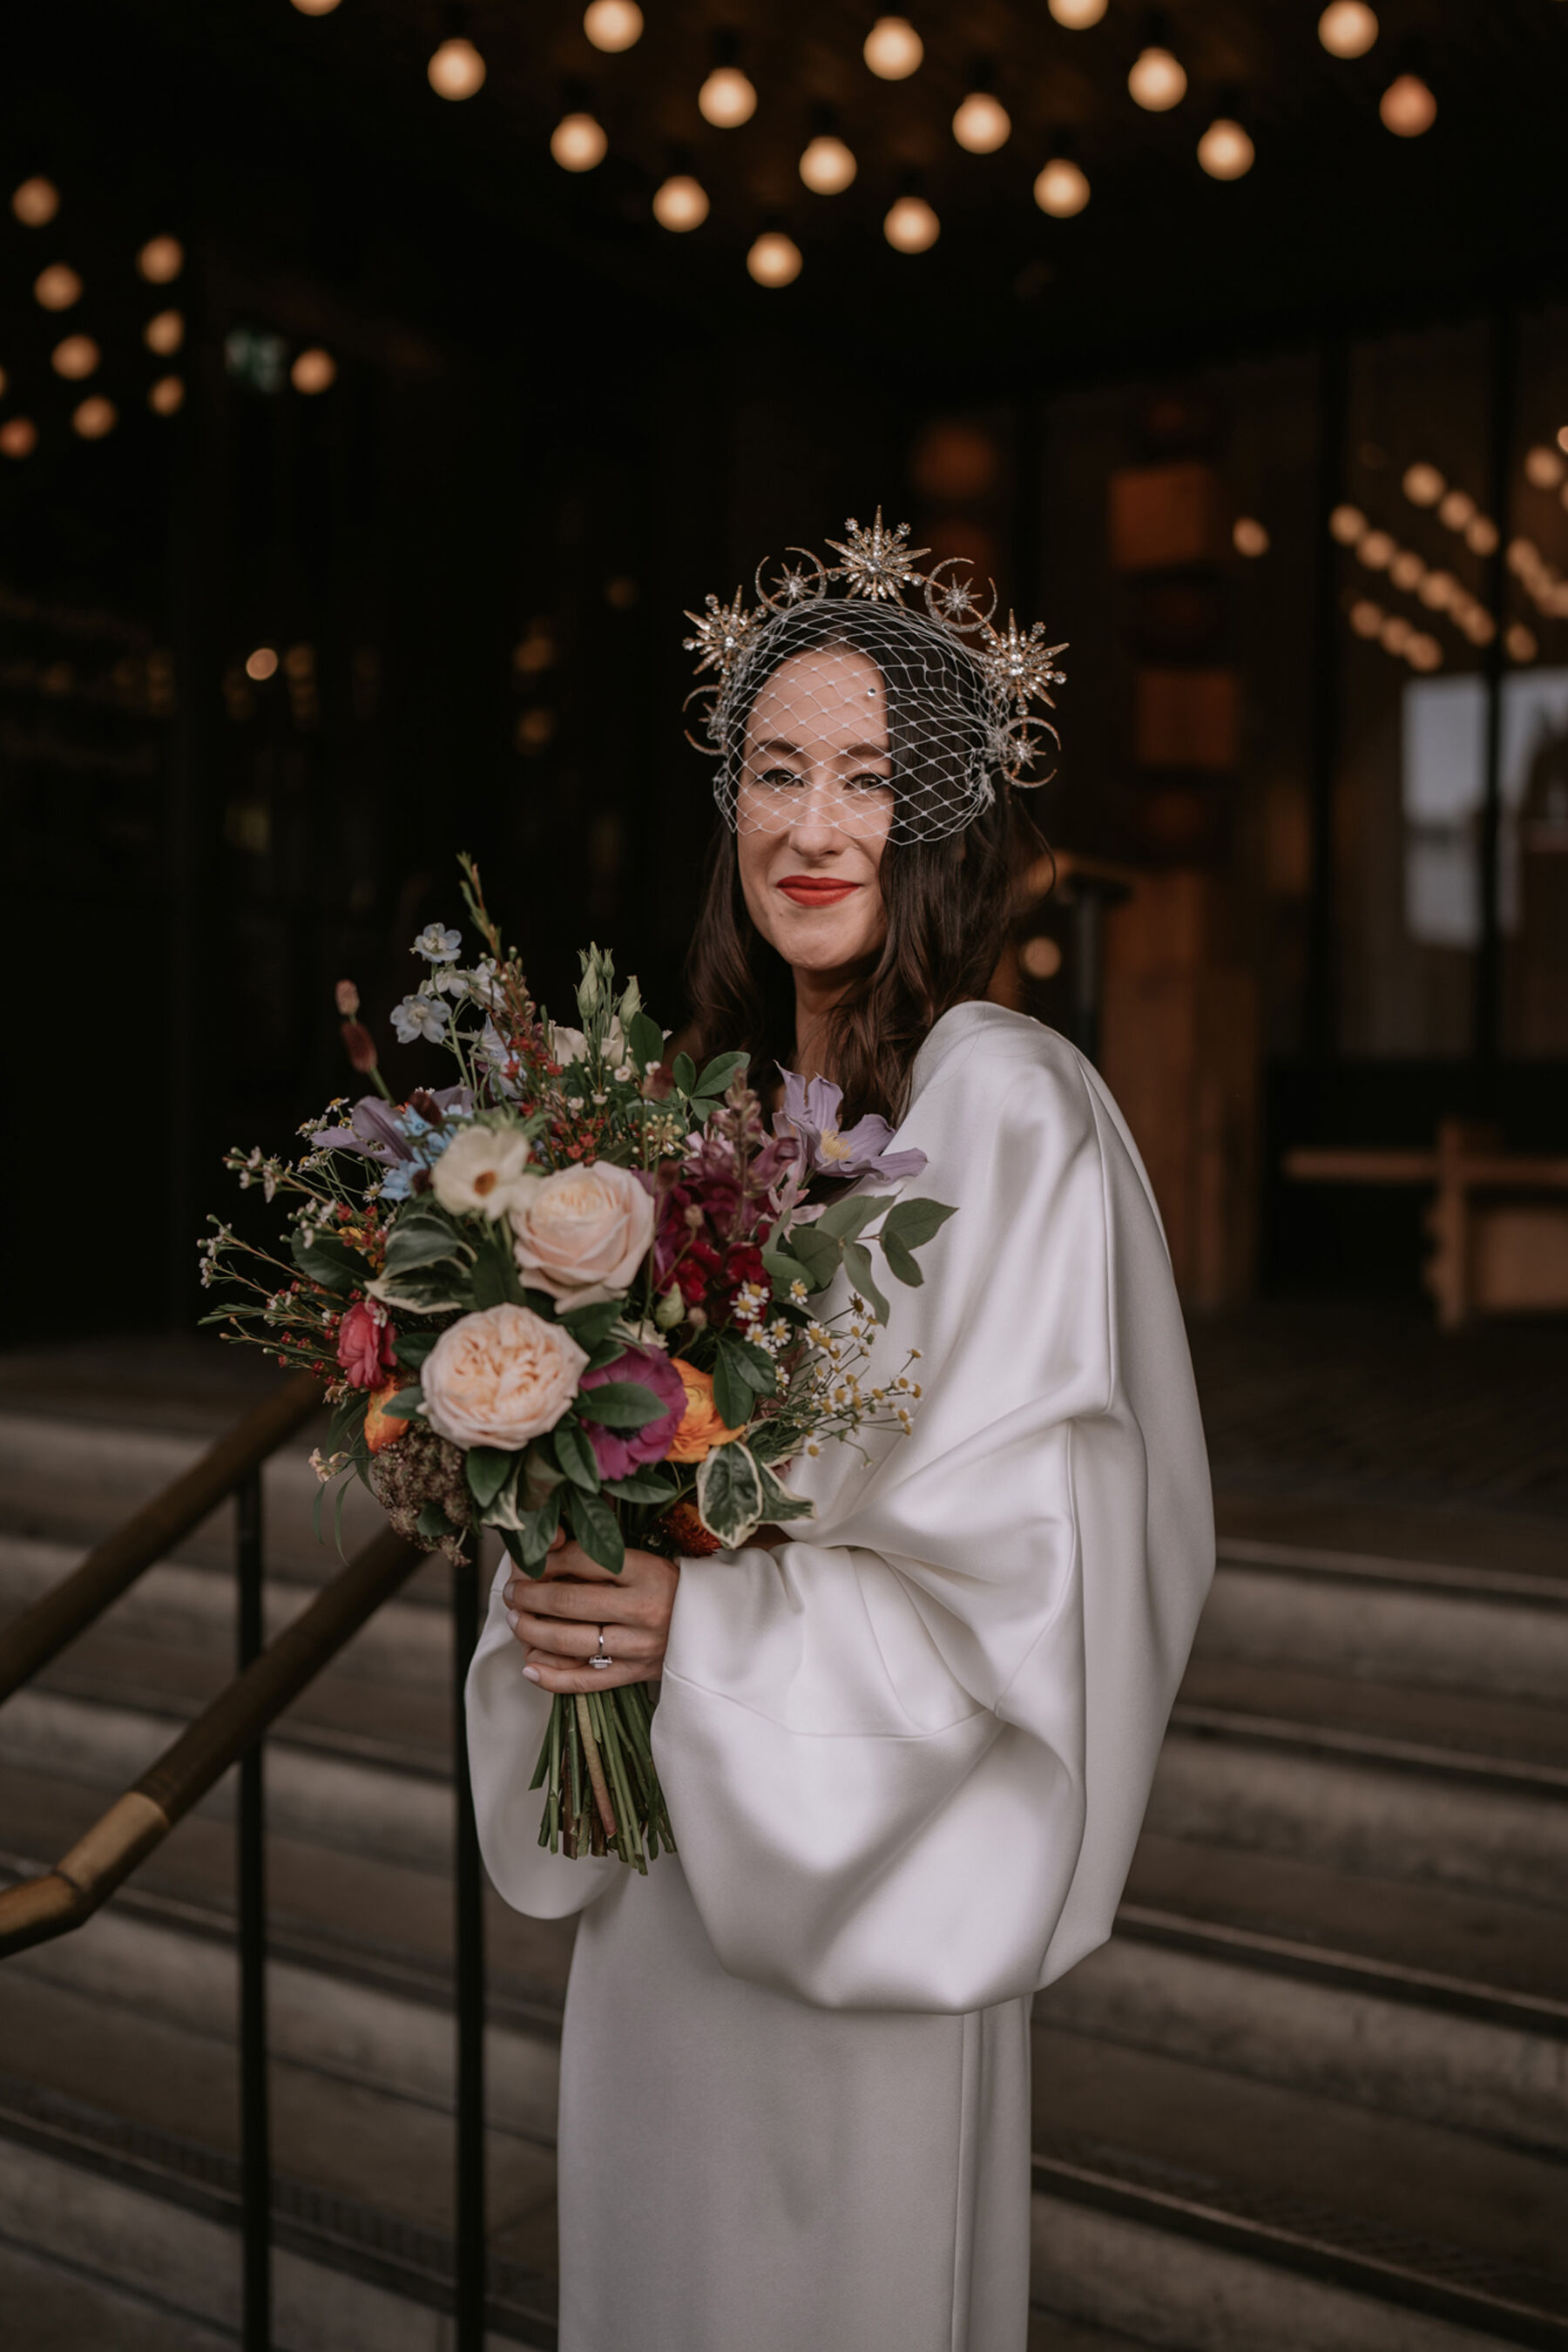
[[383, 1428], [701, 1430]]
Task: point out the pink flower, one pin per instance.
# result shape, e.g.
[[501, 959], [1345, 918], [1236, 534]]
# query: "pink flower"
[[499, 1377], [619, 1452], [364, 1344]]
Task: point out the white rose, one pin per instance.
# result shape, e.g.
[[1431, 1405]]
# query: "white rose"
[[582, 1232], [501, 1377], [478, 1171]]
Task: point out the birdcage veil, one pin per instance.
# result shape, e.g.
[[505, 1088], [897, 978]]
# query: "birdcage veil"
[[903, 723]]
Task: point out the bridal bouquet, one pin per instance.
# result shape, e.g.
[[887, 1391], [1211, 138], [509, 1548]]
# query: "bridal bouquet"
[[576, 1289]]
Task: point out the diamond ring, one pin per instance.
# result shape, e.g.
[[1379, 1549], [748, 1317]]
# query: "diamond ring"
[[603, 1657]]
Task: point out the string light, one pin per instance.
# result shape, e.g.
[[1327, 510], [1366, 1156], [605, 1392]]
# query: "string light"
[[36, 203], [1563, 436], [1366, 619], [1421, 651], [1407, 107], [613, 24], [1543, 468], [1347, 28], [1438, 592], [1407, 571], [164, 333], [18, 436], [775, 258], [1062, 188], [76, 357], [1455, 508], [1396, 634], [981, 123], [1041, 956], [578, 142], [95, 416], [1423, 486], [680, 203], [1158, 80], [1481, 535], [262, 665], [456, 70], [726, 99], [313, 370], [1377, 550], [1479, 627], [827, 165], [1225, 151], [160, 260], [1347, 524], [315, 8], [1521, 643], [167, 395], [58, 287], [910, 225], [1077, 15], [893, 48], [1248, 536]]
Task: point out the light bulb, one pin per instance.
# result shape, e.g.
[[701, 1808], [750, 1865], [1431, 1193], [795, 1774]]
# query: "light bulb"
[[36, 203], [613, 24], [578, 142], [18, 436], [95, 416], [1543, 468], [1061, 189], [164, 333], [167, 395], [1157, 81], [1225, 151], [1521, 643], [1041, 956], [1423, 485], [1563, 436], [1077, 15], [1346, 524], [1440, 591], [1366, 619], [1423, 651], [313, 370], [160, 260], [910, 225], [58, 287], [775, 258], [726, 99], [1481, 535], [457, 69], [981, 123], [315, 8], [1407, 107], [681, 203], [1407, 571], [262, 665], [1455, 509], [1347, 28], [1396, 634], [827, 166], [1377, 550], [76, 357], [1248, 536], [893, 48]]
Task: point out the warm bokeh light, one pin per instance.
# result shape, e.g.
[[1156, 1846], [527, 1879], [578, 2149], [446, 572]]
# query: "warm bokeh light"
[[775, 258], [58, 287], [18, 437], [1377, 550], [1439, 591], [1481, 535], [1077, 15], [1061, 189], [680, 203], [1455, 509], [981, 123], [36, 203], [910, 225], [313, 370], [457, 69], [95, 416], [1248, 536], [1407, 107], [76, 357], [1479, 627], [1407, 571], [1521, 643], [578, 142], [1347, 28], [1225, 151], [1366, 619], [167, 396], [827, 165], [315, 8], [1544, 468], [1422, 652], [1396, 634], [164, 333], [160, 260], [613, 24], [726, 99], [1041, 956], [1158, 80], [893, 48], [1423, 484], [262, 663], [1347, 523]]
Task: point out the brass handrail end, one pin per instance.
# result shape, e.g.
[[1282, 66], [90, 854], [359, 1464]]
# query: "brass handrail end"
[[39, 1909]]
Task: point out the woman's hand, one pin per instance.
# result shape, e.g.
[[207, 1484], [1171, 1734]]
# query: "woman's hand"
[[557, 1618]]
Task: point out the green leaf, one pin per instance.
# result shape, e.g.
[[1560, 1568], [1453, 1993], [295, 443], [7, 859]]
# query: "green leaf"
[[420, 1241], [496, 1280], [816, 1252], [650, 1486], [753, 1363], [347, 1417], [785, 1270], [332, 1264], [857, 1266], [902, 1264], [590, 1325], [621, 1404], [575, 1455], [772, 1439], [731, 1393], [730, 1493], [433, 1524], [405, 1404], [598, 1530], [486, 1469], [411, 1347], [846, 1219], [684, 1075], [645, 1038], [779, 1504], [538, 1533], [913, 1223], [718, 1073], [425, 1291]]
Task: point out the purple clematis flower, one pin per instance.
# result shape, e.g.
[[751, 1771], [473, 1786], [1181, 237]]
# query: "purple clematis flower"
[[810, 1115]]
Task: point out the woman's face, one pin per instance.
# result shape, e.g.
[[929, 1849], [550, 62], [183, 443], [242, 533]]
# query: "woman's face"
[[815, 804]]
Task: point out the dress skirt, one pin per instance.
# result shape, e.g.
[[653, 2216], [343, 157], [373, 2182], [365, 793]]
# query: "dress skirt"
[[739, 2172]]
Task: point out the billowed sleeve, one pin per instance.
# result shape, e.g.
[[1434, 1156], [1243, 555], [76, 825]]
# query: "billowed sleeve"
[[908, 1757]]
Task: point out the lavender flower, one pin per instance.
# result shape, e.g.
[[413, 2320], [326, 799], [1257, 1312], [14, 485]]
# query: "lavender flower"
[[810, 1115]]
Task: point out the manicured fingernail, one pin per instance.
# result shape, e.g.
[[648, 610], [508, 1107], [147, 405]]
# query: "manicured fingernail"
[[511, 1616], [531, 1673]]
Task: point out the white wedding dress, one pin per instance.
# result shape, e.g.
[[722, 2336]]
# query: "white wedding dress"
[[906, 1759]]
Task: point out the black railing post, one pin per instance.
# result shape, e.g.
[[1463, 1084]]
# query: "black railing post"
[[250, 1895], [470, 1981]]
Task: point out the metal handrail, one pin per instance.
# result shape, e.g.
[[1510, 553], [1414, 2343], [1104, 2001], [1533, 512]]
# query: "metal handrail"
[[37, 1909], [40, 1633]]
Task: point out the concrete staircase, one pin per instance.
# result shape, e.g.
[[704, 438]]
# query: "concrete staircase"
[[1310, 2098]]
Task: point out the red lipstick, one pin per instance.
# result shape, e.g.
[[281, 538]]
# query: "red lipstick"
[[817, 890]]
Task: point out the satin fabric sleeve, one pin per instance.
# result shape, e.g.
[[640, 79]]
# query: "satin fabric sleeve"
[[907, 1759]]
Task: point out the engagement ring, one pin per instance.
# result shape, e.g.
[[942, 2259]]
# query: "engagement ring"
[[604, 1658]]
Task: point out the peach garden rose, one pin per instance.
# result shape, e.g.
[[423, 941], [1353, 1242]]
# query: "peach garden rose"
[[499, 1377], [582, 1233]]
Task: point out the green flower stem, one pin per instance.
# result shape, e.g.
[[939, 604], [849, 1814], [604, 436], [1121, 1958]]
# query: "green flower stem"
[[595, 1766]]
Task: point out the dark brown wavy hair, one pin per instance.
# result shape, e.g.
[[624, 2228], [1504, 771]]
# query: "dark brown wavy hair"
[[949, 906]]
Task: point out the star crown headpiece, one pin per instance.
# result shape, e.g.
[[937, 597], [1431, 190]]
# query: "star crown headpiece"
[[1007, 670]]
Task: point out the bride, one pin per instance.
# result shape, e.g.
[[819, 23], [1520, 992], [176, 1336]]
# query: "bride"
[[906, 1752]]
